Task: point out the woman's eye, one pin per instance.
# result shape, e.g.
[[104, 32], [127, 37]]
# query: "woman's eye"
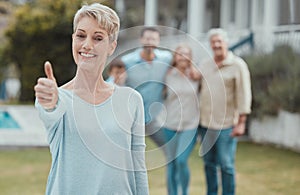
[[99, 38], [80, 36]]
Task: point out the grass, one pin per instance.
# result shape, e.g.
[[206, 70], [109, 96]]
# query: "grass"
[[260, 170], [24, 171]]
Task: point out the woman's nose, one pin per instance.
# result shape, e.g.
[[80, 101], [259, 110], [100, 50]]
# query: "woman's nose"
[[88, 44]]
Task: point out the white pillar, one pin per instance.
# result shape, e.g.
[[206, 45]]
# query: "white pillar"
[[150, 12], [120, 7], [225, 14], [254, 15], [269, 16], [241, 14], [195, 17], [292, 11], [268, 23]]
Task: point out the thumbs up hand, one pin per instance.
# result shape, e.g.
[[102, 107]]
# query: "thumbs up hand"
[[46, 90]]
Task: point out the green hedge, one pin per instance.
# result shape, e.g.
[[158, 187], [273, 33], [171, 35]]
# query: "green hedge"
[[275, 81]]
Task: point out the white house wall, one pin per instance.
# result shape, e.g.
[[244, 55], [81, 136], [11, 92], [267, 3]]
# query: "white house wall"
[[234, 14], [262, 17]]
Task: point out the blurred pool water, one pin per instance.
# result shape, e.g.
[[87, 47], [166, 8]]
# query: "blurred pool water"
[[7, 121]]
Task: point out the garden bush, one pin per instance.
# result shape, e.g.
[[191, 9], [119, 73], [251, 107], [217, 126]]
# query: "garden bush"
[[275, 81]]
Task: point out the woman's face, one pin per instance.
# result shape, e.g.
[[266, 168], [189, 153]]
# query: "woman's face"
[[183, 57], [91, 45]]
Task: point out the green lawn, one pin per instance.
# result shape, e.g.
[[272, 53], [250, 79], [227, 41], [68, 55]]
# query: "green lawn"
[[260, 170]]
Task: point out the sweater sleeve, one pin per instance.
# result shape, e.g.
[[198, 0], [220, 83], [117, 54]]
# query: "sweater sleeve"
[[52, 119], [243, 91], [138, 148]]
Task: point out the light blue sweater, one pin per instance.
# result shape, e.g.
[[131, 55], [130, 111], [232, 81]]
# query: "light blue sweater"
[[97, 149], [148, 78]]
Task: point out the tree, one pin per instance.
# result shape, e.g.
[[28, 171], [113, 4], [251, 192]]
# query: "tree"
[[41, 31]]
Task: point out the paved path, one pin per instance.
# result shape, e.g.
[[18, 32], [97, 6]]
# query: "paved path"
[[32, 131]]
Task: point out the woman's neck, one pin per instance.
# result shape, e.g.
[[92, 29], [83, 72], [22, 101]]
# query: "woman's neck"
[[89, 87]]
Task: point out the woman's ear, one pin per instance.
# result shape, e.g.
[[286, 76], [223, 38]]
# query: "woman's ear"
[[112, 48]]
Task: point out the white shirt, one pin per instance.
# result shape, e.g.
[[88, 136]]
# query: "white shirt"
[[181, 104]]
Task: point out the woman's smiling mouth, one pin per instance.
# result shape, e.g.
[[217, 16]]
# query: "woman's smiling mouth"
[[87, 55]]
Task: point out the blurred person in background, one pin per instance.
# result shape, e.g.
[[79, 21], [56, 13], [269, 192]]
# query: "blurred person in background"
[[181, 118], [116, 72], [146, 68], [223, 113]]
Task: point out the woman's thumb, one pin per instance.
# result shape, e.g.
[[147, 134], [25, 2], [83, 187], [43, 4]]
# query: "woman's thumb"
[[49, 71]]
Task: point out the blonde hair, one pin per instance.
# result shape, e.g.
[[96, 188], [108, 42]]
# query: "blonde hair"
[[105, 16], [180, 46]]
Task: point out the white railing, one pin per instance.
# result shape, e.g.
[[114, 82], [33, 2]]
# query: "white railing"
[[288, 34], [266, 39]]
